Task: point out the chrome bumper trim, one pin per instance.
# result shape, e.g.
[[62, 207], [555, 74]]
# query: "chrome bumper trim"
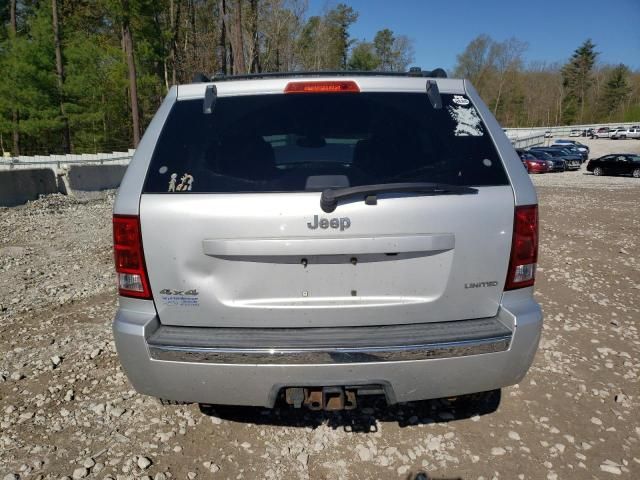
[[328, 355]]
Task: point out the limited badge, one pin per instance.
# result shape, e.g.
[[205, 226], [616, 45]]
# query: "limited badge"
[[460, 100]]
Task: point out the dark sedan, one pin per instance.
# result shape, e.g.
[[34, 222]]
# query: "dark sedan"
[[615, 164], [533, 164], [570, 149], [556, 164], [572, 161]]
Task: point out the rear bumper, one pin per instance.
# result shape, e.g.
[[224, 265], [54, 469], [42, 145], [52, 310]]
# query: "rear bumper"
[[337, 345], [415, 371]]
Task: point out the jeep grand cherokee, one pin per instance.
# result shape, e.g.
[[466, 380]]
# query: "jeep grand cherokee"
[[311, 237]]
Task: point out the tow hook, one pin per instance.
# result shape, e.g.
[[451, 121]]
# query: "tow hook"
[[321, 398]]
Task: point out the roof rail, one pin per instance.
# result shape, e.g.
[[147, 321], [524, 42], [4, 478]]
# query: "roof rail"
[[413, 72]]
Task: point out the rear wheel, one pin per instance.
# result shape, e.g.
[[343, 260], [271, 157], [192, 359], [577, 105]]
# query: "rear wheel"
[[598, 171], [636, 173]]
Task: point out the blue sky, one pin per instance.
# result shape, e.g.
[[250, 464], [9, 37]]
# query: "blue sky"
[[553, 29]]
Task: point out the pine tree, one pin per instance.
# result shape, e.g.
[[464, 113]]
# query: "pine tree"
[[615, 91], [577, 77], [339, 20], [394, 52], [363, 57]]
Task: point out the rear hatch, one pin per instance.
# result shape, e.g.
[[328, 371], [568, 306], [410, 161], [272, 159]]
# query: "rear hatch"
[[234, 234]]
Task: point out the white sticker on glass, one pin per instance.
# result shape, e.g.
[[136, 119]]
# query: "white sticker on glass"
[[172, 182], [460, 100], [468, 122], [186, 181]]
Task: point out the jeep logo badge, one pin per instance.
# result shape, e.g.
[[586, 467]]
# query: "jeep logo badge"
[[341, 223]]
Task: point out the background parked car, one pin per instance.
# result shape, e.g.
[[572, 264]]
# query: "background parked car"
[[589, 132], [572, 160], [573, 150], [574, 143], [618, 132], [554, 160], [602, 132], [630, 132], [548, 134], [615, 164], [531, 163], [575, 133]]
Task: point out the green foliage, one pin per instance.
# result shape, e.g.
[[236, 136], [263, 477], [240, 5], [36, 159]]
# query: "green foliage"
[[324, 41], [339, 20], [632, 114], [615, 91], [540, 94], [394, 52], [364, 57], [171, 39], [577, 78]]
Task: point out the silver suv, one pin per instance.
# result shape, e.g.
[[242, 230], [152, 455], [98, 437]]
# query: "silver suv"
[[309, 238]]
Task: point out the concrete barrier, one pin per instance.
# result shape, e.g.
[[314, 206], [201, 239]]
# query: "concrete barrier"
[[88, 180], [19, 186]]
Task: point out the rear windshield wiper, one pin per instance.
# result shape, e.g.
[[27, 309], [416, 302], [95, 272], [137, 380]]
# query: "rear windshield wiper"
[[329, 198]]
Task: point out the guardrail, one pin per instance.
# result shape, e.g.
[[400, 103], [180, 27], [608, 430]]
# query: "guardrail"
[[13, 163], [529, 141], [562, 130]]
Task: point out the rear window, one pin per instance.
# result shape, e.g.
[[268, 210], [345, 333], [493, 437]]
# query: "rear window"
[[309, 142]]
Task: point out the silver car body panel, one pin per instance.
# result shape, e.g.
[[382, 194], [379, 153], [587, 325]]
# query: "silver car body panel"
[[259, 384], [329, 345], [256, 276]]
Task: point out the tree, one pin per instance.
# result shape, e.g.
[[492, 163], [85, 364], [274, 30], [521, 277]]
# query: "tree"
[[476, 59], [577, 77], [325, 40], [507, 56], [233, 23], [282, 27], [394, 53], [66, 135], [402, 53], [383, 44], [174, 11], [363, 57], [615, 91], [221, 50], [255, 38], [15, 113], [127, 42], [339, 20]]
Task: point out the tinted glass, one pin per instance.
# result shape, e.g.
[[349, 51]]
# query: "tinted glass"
[[284, 143]]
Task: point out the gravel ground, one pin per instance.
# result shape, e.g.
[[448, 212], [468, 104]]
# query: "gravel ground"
[[67, 409]]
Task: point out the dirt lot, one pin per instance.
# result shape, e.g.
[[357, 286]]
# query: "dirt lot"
[[66, 408]]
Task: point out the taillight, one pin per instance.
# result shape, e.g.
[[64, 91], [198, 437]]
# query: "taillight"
[[524, 248], [342, 86], [129, 257]]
